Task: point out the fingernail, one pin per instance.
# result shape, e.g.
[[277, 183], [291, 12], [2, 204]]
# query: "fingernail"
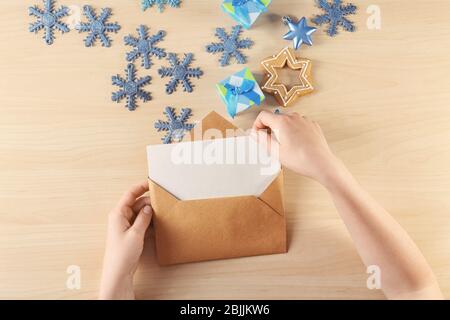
[[147, 209]]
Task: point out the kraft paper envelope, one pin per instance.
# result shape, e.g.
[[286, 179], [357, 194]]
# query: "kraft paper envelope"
[[219, 227]]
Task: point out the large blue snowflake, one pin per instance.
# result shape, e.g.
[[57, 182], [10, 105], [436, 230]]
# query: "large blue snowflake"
[[335, 13], [144, 46], [97, 26], [48, 19], [131, 88], [176, 126], [161, 4], [230, 45], [179, 71]]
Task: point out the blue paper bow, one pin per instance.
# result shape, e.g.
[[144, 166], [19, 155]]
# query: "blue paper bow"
[[234, 92], [243, 12]]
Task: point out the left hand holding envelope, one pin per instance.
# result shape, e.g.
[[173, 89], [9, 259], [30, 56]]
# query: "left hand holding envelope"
[[128, 223]]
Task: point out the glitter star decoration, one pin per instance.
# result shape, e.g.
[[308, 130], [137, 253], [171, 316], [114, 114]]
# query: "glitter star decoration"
[[176, 126], [145, 46], [179, 71], [335, 15], [272, 85], [230, 46], [48, 19], [131, 87], [97, 27], [161, 4], [299, 32]]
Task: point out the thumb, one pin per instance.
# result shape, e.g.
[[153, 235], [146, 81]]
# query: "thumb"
[[143, 220]]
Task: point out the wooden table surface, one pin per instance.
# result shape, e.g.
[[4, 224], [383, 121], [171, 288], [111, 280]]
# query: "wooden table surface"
[[68, 152]]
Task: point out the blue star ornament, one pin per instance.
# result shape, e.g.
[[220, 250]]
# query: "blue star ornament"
[[299, 32]]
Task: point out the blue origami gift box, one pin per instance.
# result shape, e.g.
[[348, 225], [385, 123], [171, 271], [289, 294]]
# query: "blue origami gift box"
[[240, 91], [245, 11]]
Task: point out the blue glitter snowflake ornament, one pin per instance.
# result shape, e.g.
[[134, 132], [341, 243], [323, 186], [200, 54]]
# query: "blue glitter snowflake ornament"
[[144, 46], [230, 45], [97, 26], [48, 19], [161, 4], [335, 13], [179, 71], [176, 126], [131, 88]]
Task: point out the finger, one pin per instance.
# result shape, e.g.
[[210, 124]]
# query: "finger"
[[141, 203], [131, 213], [268, 142], [295, 115], [143, 220], [304, 118], [266, 120], [129, 198], [263, 138], [318, 127]]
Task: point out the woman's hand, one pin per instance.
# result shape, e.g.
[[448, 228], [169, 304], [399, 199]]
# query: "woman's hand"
[[299, 142], [379, 239], [127, 225]]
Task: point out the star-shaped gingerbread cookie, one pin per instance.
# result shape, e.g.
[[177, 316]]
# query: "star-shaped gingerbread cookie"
[[279, 90]]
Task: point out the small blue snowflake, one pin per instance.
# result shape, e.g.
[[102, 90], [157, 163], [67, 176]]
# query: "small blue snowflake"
[[176, 126], [97, 26], [161, 4], [230, 45], [180, 72], [335, 13], [131, 88], [145, 46], [49, 18]]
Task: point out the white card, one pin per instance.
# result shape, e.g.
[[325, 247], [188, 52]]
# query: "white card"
[[212, 168]]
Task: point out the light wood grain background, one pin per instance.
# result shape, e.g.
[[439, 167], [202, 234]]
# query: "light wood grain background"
[[67, 151]]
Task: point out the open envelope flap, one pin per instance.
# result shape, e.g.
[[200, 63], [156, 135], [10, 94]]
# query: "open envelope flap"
[[216, 122], [164, 201], [237, 226], [273, 195]]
